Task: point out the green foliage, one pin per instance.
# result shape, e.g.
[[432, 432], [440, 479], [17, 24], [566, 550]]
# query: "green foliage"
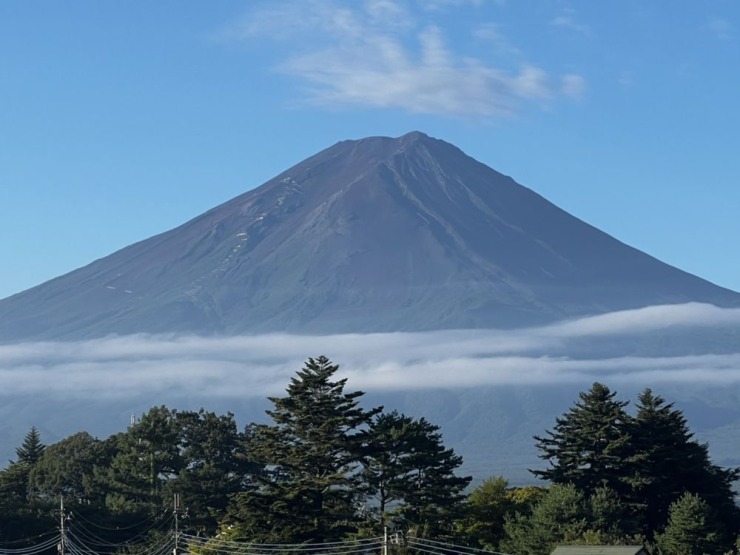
[[487, 508], [691, 530], [31, 449], [412, 475], [311, 489], [66, 468], [565, 515], [385, 466], [587, 447], [325, 470], [665, 462], [15, 480], [610, 519], [146, 456], [559, 517], [525, 498], [648, 462], [212, 469], [20, 515]]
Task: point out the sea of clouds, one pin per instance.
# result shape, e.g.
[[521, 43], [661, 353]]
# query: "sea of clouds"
[[257, 366]]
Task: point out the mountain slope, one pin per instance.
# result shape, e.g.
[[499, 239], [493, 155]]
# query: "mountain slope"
[[368, 235]]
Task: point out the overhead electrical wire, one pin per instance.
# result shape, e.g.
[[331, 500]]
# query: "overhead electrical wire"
[[96, 539], [278, 546], [79, 539], [32, 549], [442, 548], [348, 547], [76, 546], [117, 528], [25, 540]]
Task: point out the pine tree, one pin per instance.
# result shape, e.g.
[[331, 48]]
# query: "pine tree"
[[412, 474], [31, 449], [589, 443], [146, 456], [486, 509], [691, 529], [15, 479], [434, 492], [666, 462], [560, 516], [565, 515], [212, 469], [18, 506], [66, 469], [384, 470], [311, 490]]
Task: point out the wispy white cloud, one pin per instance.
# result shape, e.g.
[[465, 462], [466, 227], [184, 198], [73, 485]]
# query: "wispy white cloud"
[[257, 366], [491, 32], [573, 85], [445, 4], [378, 54], [569, 22], [721, 28]]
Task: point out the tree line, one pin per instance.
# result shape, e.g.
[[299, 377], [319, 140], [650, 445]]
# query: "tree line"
[[326, 469]]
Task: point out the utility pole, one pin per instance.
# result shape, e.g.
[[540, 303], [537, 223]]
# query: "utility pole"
[[176, 510], [60, 547], [385, 540]]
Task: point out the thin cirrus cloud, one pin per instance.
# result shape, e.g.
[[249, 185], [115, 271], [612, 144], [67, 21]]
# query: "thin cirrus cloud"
[[721, 28], [569, 22], [378, 54], [257, 366]]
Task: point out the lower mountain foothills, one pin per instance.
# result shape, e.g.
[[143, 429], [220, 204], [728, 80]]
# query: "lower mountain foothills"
[[326, 470]]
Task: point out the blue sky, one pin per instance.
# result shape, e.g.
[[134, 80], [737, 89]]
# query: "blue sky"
[[120, 120]]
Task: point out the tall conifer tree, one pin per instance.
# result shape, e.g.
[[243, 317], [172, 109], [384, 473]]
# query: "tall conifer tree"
[[312, 452], [412, 474], [667, 462], [588, 444]]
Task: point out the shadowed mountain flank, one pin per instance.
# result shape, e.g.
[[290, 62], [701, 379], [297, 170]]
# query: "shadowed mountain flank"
[[378, 234]]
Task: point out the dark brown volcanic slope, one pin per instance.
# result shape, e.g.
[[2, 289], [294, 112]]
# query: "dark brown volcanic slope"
[[368, 235]]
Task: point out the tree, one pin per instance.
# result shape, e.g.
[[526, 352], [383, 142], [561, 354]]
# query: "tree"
[[411, 474], [31, 449], [589, 443], [565, 515], [15, 478], [487, 508], [66, 469], [310, 491], [146, 456], [610, 519], [691, 529], [560, 516], [384, 470], [666, 462], [17, 505], [212, 469]]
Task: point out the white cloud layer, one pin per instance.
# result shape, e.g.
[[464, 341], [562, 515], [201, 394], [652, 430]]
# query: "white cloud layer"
[[377, 54], [256, 366]]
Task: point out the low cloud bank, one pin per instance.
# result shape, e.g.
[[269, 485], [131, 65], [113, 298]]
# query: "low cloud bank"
[[256, 366]]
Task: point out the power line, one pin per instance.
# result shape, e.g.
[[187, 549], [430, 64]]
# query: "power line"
[[31, 550]]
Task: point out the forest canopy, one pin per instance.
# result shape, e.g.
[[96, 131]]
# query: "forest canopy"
[[326, 469]]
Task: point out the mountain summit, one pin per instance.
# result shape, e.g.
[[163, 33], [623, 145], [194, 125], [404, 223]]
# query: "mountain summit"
[[377, 234]]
